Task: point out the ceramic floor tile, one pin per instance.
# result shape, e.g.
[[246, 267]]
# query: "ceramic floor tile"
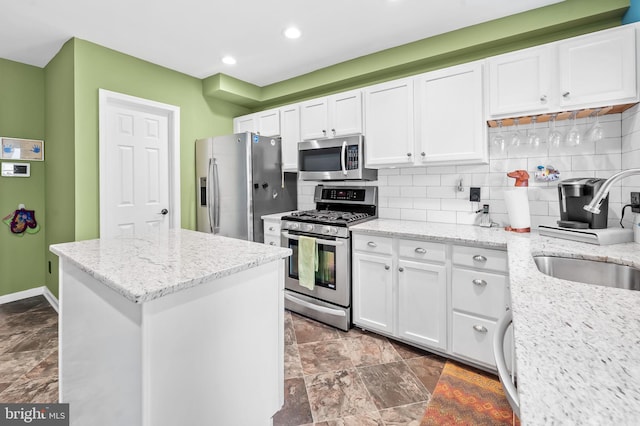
[[41, 390], [296, 410], [289, 331], [9, 339], [3, 386], [47, 368], [23, 305], [14, 365], [324, 356], [44, 338], [311, 331], [370, 419], [406, 351], [392, 385], [292, 365], [338, 394], [427, 369], [406, 415], [371, 350], [30, 320]]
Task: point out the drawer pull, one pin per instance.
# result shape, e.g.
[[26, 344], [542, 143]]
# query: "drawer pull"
[[372, 244], [479, 258], [480, 328], [272, 243], [387, 267], [271, 228], [478, 282], [420, 250], [401, 269]]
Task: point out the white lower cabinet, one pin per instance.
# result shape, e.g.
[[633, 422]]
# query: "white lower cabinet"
[[438, 296], [403, 297], [272, 232]]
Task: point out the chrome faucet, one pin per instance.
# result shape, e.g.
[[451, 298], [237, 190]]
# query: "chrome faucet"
[[594, 205]]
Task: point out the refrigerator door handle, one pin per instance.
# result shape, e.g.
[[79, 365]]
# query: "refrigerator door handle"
[[209, 194], [343, 159], [216, 198]]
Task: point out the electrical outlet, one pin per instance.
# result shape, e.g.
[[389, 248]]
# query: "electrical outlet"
[[474, 194], [635, 202]]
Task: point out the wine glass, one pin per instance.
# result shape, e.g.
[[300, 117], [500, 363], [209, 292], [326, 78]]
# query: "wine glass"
[[596, 133], [555, 137], [533, 138], [498, 138], [515, 136], [574, 138]]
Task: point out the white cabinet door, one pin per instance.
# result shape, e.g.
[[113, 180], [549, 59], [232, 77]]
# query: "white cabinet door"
[[389, 123], [290, 134], [373, 292], [598, 68], [246, 123], [314, 119], [422, 303], [268, 122], [345, 113], [450, 123], [520, 82]]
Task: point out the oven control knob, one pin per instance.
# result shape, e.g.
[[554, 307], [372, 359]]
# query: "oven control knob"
[[329, 230], [307, 227], [293, 225]]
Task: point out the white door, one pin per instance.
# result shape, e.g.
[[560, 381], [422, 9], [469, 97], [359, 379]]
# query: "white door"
[[246, 123], [345, 112], [137, 186], [314, 119], [373, 292], [269, 122], [290, 134]]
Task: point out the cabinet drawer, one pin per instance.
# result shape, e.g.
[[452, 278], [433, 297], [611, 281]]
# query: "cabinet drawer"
[[272, 240], [421, 250], [372, 243], [480, 258], [272, 228], [477, 292], [473, 338]]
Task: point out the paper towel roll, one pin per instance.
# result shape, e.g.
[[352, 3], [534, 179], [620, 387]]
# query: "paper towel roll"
[[517, 202]]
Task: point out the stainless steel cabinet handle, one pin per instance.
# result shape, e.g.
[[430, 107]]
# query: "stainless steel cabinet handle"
[[324, 132], [372, 244], [271, 228], [333, 131], [272, 243], [408, 154], [543, 98], [479, 282], [480, 328], [479, 258], [566, 94], [387, 267], [420, 250], [401, 269], [423, 154]]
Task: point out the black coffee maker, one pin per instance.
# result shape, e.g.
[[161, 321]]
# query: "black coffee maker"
[[573, 195]]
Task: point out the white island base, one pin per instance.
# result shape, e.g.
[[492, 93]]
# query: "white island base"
[[208, 355]]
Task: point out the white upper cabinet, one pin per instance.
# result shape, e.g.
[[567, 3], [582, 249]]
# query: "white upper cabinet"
[[332, 116], [290, 134], [593, 70], [389, 123], [268, 122], [245, 123], [520, 81], [598, 68], [449, 116]]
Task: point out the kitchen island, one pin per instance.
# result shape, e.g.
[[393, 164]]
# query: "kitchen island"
[[171, 328], [576, 345]]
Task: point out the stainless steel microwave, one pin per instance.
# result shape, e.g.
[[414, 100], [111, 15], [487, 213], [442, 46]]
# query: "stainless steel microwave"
[[334, 159]]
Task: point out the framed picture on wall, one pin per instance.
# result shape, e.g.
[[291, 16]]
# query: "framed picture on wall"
[[22, 149]]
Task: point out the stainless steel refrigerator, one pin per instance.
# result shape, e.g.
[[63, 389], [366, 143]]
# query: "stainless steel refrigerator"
[[239, 179]]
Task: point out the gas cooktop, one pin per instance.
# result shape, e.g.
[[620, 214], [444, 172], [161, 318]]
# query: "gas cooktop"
[[331, 217]]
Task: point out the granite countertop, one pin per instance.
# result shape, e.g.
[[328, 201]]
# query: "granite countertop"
[[577, 345], [145, 267]]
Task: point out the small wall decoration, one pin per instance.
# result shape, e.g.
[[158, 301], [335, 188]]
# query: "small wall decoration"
[[22, 221], [22, 149]]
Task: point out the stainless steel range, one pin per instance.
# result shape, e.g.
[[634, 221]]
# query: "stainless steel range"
[[337, 208]]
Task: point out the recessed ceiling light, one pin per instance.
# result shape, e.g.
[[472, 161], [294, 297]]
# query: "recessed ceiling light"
[[292, 33], [229, 60]]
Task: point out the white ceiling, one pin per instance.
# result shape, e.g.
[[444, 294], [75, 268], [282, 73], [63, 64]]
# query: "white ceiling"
[[191, 36]]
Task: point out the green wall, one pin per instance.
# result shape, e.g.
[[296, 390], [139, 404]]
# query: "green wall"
[[22, 116]]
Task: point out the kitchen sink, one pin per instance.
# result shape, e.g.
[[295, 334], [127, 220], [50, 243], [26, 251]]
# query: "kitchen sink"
[[589, 271]]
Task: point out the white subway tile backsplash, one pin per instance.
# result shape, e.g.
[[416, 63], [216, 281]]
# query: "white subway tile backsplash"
[[430, 192]]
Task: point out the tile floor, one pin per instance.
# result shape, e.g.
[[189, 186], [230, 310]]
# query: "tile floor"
[[337, 378], [28, 351], [332, 378]]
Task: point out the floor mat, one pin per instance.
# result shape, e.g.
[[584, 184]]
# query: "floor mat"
[[468, 397]]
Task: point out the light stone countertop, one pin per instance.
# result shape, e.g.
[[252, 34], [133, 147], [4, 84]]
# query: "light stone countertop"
[[276, 216], [577, 345], [145, 267]]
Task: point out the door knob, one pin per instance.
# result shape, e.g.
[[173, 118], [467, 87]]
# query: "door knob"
[[164, 212]]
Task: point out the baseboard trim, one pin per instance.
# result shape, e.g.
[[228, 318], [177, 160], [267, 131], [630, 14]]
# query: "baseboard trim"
[[25, 294]]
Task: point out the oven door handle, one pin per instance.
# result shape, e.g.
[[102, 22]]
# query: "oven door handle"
[[318, 240], [323, 309]]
